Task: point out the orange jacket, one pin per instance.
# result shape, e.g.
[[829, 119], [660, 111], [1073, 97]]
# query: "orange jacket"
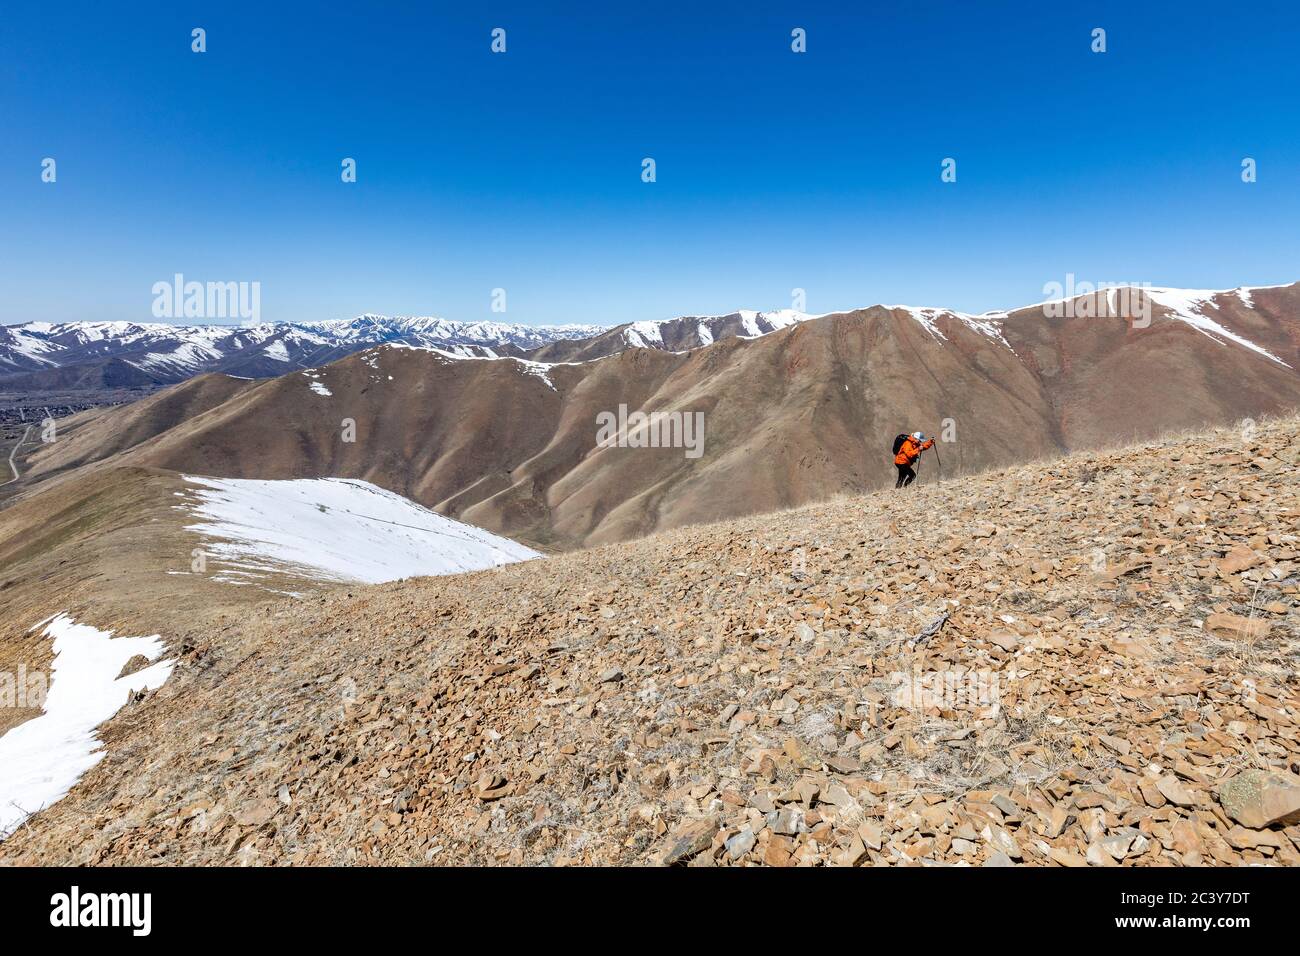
[[911, 450]]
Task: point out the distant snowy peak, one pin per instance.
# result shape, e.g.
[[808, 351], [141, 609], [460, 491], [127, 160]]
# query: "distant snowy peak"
[[1195, 308], [988, 325], [539, 370], [1242, 294], [764, 322], [695, 331], [32, 354], [1200, 308], [168, 353], [1203, 309], [372, 329], [183, 359]]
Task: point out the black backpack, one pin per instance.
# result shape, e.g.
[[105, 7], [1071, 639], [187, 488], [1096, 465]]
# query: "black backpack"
[[899, 439]]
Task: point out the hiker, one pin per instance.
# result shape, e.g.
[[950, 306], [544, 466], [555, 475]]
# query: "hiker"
[[907, 449]]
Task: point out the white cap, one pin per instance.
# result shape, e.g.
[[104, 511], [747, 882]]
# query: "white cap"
[[918, 436]]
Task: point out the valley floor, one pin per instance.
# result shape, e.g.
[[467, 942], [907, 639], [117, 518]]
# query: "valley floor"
[[1058, 664]]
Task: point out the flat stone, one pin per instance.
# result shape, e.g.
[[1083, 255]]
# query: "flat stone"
[[1240, 558], [258, 813], [1237, 627], [1066, 857], [802, 755], [1258, 799], [741, 843], [843, 765], [1173, 791], [1005, 640], [689, 839], [1243, 839], [787, 822]]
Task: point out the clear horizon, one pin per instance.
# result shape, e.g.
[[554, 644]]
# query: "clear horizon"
[[522, 171]]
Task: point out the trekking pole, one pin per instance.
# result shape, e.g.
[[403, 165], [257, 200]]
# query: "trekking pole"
[[938, 461]]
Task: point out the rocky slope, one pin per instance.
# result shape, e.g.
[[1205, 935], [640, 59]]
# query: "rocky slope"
[[1090, 661]]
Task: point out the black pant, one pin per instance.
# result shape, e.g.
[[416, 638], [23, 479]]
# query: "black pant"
[[905, 476]]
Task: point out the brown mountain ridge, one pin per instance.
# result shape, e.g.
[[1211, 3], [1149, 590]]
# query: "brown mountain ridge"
[[794, 416]]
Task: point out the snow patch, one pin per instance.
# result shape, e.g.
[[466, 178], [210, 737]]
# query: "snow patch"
[[44, 757], [926, 317], [188, 357], [749, 322], [649, 335], [986, 324], [1188, 305], [315, 384], [338, 529], [645, 335], [783, 318], [537, 369]]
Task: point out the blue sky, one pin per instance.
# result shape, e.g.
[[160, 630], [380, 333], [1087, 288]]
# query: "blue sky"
[[522, 171]]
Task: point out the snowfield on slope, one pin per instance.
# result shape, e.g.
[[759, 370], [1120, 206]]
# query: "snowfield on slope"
[[1188, 305], [985, 325], [337, 529], [43, 758], [539, 370]]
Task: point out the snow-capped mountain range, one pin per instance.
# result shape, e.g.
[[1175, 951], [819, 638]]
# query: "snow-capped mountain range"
[[39, 355], [89, 354]]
